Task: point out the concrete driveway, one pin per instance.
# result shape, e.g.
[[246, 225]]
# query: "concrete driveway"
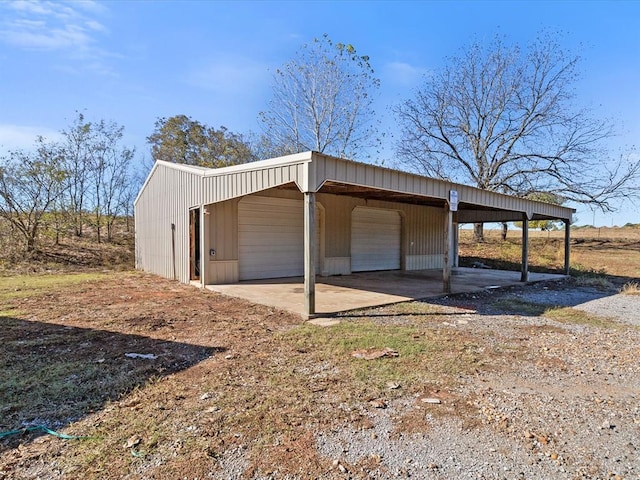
[[369, 289]]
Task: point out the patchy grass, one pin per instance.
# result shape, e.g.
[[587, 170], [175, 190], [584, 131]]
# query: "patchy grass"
[[567, 315], [30, 285], [574, 316], [426, 355], [518, 306], [14, 288], [229, 377]]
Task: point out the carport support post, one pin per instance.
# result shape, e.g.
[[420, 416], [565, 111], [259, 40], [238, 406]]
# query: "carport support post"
[[446, 269], [309, 253], [567, 246], [524, 277]]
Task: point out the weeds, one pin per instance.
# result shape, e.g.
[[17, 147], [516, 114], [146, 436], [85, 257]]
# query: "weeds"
[[580, 317], [518, 306], [631, 288], [425, 354], [590, 277]]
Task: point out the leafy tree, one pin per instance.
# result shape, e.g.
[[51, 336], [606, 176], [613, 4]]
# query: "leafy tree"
[[503, 119], [180, 139], [30, 183], [322, 101]]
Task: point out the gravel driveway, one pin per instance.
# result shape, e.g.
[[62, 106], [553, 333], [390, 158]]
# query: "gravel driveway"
[[568, 409]]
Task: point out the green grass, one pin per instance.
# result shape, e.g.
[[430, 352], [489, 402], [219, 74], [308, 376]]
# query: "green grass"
[[425, 355], [23, 286], [14, 288], [520, 307], [574, 316]]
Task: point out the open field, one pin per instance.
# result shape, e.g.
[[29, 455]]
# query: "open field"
[[614, 251], [528, 382]]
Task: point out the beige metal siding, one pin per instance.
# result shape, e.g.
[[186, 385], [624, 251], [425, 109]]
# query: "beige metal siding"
[[170, 190], [337, 224], [345, 171], [375, 239], [222, 238], [270, 234], [424, 237], [223, 186], [165, 200], [223, 228]]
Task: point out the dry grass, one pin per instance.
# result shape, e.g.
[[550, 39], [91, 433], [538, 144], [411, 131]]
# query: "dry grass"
[[71, 254], [610, 251], [228, 375], [631, 288]]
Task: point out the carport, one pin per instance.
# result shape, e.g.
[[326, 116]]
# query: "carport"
[[314, 216]]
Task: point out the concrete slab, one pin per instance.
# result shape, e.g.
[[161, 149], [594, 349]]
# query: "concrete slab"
[[369, 289]]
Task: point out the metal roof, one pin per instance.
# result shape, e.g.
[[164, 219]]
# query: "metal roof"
[[316, 172]]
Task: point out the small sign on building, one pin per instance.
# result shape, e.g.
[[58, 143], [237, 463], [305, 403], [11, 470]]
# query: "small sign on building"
[[453, 200]]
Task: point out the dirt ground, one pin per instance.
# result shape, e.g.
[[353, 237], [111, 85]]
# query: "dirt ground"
[[166, 381]]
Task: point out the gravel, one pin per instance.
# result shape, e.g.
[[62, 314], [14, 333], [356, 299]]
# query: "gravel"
[[569, 410]]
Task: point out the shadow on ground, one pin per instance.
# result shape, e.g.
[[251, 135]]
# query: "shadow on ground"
[[53, 375], [527, 300]]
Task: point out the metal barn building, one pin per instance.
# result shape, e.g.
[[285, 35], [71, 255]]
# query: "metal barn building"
[[310, 214]]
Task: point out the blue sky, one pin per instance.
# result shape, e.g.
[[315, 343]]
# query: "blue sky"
[[135, 61]]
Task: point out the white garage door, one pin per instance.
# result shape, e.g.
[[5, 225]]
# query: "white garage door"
[[375, 239], [271, 238]]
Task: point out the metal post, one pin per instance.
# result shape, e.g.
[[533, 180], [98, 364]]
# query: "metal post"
[[524, 277], [204, 260], [446, 270], [310, 253], [567, 247], [456, 245]]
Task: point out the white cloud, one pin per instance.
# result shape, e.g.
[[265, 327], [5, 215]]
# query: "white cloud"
[[229, 76], [71, 28], [403, 73], [22, 137]]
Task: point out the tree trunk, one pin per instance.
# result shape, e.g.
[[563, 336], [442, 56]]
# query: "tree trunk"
[[505, 229], [478, 232], [31, 243]]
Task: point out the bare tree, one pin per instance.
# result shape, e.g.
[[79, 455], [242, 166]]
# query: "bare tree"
[[504, 120], [30, 182], [77, 157], [322, 101], [110, 169]]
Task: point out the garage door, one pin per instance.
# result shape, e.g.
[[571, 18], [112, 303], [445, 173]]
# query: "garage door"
[[271, 238], [375, 239]]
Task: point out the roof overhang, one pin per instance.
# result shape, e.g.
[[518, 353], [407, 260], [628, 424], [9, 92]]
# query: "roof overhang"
[[312, 172]]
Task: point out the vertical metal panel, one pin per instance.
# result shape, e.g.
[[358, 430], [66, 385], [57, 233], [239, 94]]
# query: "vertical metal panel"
[[171, 190], [223, 229], [422, 236], [338, 223], [375, 239], [166, 199]]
